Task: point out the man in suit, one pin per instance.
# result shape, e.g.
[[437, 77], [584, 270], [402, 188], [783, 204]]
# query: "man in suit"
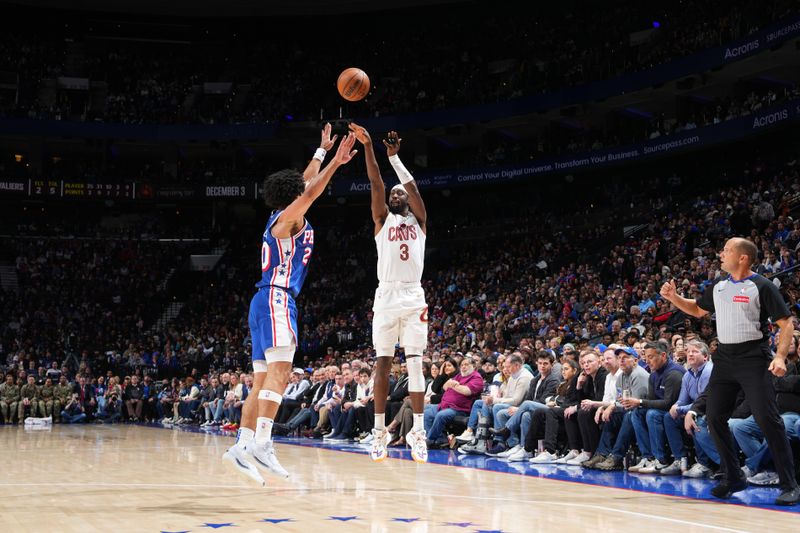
[[513, 422], [86, 393], [397, 393], [332, 389], [347, 395], [345, 414]]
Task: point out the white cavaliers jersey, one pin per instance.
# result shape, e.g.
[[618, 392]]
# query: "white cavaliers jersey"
[[401, 249]]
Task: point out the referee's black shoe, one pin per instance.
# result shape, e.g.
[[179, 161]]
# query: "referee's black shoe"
[[789, 497], [725, 489]]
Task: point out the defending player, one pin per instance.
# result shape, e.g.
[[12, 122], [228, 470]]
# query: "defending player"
[[286, 249], [400, 311]]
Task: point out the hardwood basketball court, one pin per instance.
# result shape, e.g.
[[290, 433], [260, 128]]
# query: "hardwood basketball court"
[[125, 478]]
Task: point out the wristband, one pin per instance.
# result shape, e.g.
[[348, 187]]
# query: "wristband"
[[402, 172], [320, 154]]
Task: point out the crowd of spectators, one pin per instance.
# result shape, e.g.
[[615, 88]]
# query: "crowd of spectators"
[[81, 297], [507, 55], [545, 353], [562, 283], [577, 138]]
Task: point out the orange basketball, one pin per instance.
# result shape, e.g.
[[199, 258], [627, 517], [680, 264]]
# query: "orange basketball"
[[353, 84]]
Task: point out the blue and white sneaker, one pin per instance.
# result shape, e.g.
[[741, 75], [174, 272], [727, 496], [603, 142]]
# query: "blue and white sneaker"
[[235, 459]]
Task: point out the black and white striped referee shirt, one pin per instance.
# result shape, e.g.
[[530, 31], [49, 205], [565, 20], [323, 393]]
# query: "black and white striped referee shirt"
[[743, 307]]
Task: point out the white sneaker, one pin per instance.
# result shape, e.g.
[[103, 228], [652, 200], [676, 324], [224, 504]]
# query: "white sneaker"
[[764, 479], [747, 472], [569, 457], [380, 444], [653, 467], [418, 440], [544, 458], [329, 435], [581, 457], [697, 471], [641, 464], [466, 436], [675, 469], [519, 455], [235, 459], [367, 439], [265, 458], [509, 452]]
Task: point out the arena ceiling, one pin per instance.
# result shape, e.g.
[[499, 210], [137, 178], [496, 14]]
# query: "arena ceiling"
[[230, 8]]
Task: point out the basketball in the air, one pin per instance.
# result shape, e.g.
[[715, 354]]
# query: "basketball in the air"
[[353, 84]]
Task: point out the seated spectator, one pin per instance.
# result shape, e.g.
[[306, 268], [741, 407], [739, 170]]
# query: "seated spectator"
[[516, 420], [29, 400], [631, 383], [212, 398], [439, 374], [73, 412], [549, 422], [591, 384], [166, 398], [304, 416], [460, 391], [404, 419], [364, 405], [63, 394], [512, 393], [149, 399], [133, 397], [100, 390], [113, 402], [398, 392], [9, 398], [233, 402], [328, 401], [294, 392], [355, 397], [48, 405], [694, 382], [663, 390], [346, 395], [86, 395]]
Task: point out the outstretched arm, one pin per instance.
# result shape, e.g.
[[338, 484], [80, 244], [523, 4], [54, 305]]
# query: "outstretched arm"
[[378, 190], [415, 202], [291, 219], [670, 293], [325, 145]]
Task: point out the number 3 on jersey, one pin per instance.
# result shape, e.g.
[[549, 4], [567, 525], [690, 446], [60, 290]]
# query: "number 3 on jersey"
[[404, 252]]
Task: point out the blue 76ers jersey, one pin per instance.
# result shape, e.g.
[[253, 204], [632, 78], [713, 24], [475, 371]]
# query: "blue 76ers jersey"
[[273, 313], [284, 262]]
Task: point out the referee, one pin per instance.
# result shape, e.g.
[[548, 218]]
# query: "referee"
[[743, 302]]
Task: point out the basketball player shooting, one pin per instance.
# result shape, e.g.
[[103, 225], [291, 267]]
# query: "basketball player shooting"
[[400, 313], [287, 245]]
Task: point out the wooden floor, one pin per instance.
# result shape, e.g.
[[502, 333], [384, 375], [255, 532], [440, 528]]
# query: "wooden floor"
[[140, 479]]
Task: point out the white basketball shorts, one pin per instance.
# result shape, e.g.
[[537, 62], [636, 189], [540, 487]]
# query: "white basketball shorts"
[[400, 316]]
